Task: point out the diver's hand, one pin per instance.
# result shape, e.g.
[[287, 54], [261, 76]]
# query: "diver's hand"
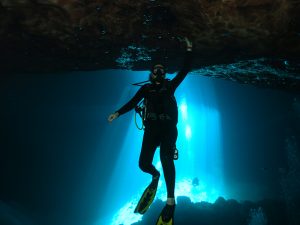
[[189, 44], [113, 116]]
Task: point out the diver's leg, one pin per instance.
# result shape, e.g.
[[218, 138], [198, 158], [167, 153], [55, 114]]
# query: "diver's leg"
[[169, 137], [168, 142], [150, 143]]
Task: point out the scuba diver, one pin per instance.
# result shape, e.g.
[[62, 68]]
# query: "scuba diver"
[[160, 121]]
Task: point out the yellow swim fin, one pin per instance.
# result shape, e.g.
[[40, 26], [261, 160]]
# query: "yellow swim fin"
[[161, 222], [147, 198], [166, 216]]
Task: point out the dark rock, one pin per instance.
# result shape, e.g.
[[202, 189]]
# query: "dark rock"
[[64, 35], [223, 211]]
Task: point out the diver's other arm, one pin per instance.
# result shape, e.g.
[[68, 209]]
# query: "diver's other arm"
[[128, 106], [186, 65]]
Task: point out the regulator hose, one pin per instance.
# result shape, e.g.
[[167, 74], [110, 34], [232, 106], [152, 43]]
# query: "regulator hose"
[[140, 109]]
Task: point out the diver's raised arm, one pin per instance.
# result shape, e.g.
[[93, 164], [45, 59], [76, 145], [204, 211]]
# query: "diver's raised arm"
[[186, 65], [128, 106]]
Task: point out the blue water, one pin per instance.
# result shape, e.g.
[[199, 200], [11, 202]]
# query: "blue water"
[[63, 163]]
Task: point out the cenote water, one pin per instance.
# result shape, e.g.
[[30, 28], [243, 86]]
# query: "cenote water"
[[63, 163]]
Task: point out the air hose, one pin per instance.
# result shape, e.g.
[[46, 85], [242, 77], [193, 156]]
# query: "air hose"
[[140, 109]]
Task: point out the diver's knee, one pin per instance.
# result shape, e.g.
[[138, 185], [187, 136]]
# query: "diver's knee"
[[143, 166]]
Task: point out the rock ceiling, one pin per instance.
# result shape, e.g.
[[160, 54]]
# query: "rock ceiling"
[[246, 41]]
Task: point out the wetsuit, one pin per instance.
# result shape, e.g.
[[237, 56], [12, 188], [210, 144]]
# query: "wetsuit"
[[160, 124]]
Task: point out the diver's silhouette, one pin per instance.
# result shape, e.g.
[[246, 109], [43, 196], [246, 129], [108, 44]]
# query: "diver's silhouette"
[[161, 116]]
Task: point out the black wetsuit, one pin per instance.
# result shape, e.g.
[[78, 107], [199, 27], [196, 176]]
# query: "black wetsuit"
[[160, 124]]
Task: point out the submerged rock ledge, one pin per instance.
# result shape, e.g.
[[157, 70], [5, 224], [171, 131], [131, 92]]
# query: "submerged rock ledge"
[[232, 38], [226, 212]]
